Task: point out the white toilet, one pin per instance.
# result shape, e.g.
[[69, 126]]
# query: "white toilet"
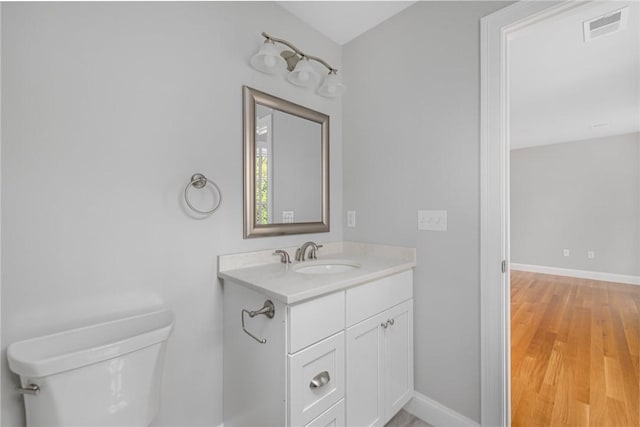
[[107, 374]]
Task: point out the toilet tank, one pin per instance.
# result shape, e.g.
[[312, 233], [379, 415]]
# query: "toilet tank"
[[108, 374]]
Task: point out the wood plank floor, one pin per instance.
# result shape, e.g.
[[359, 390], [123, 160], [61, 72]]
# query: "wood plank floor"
[[574, 352]]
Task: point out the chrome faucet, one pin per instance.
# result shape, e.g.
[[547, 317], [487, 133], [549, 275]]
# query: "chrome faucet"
[[301, 251]]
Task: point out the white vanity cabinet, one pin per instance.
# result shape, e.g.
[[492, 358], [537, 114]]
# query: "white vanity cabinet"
[[379, 349], [341, 359], [380, 366]]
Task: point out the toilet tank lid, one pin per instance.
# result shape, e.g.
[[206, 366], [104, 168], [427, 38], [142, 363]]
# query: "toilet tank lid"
[[63, 351]]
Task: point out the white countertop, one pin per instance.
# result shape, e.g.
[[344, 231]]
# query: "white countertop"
[[263, 271]]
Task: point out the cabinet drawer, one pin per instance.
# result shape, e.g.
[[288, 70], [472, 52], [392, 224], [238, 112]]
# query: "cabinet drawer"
[[311, 321], [332, 417], [372, 298], [316, 379]]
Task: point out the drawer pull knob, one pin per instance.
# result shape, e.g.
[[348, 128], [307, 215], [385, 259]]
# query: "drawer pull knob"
[[320, 380]]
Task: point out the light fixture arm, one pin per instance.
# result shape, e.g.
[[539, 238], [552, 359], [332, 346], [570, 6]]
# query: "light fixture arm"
[[299, 52]]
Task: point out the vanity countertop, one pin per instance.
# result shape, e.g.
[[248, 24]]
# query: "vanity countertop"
[[263, 271]]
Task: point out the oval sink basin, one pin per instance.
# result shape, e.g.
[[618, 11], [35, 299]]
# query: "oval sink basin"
[[326, 267]]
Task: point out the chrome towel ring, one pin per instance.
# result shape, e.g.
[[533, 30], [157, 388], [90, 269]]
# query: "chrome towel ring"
[[199, 181]]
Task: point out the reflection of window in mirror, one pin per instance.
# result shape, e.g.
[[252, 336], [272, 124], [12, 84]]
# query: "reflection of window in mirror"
[[264, 164]]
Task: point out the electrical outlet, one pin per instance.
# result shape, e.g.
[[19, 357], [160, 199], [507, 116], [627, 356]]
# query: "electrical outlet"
[[351, 219], [566, 252], [591, 254], [432, 220]]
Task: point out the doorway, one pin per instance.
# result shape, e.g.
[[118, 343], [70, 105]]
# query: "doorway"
[[499, 30]]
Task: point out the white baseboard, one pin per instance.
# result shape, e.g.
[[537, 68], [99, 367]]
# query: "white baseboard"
[[580, 274], [436, 413]]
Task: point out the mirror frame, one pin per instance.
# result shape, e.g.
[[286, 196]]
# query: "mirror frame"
[[250, 98]]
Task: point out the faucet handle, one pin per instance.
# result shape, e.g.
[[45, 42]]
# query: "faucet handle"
[[314, 251], [284, 256]]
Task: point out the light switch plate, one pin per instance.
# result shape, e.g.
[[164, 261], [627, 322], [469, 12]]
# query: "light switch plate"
[[351, 219], [432, 220]]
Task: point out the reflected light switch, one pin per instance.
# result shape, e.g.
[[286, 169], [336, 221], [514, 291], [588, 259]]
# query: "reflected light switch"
[[287, 217]]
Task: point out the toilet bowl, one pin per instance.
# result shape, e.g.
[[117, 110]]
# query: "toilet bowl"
[[108, 374]]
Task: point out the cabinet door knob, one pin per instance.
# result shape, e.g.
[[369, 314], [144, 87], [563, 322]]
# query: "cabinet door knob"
[[391, 321], [385, 324], [320, 380]]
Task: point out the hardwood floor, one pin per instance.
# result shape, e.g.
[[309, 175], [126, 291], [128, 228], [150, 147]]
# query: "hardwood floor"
[[574, 352]]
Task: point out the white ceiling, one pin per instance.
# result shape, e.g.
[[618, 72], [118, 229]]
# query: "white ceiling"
[[563, 89], [342, 21]]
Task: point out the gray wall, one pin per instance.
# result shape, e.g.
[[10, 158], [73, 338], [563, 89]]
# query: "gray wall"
[[137, 97], [107, 110], [582, 196], [411, 141]]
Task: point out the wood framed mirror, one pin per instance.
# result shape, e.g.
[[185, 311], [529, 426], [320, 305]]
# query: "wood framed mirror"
[[286, 167]]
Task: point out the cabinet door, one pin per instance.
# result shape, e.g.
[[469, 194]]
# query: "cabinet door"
[[365, 367], [398, 343]]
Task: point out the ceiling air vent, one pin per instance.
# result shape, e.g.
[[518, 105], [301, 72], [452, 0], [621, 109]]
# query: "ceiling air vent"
[[605, 24]]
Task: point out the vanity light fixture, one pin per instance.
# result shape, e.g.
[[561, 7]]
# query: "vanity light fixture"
[[301, 73], [268, 59]]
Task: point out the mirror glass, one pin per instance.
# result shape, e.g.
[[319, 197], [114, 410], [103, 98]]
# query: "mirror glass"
[[286, 167]]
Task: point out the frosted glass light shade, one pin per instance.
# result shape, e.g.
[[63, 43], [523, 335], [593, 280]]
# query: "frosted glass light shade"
[[303, 75], [332, 86], [268, 59]]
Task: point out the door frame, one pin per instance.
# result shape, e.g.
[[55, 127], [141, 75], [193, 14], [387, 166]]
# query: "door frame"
[[495, 32]]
